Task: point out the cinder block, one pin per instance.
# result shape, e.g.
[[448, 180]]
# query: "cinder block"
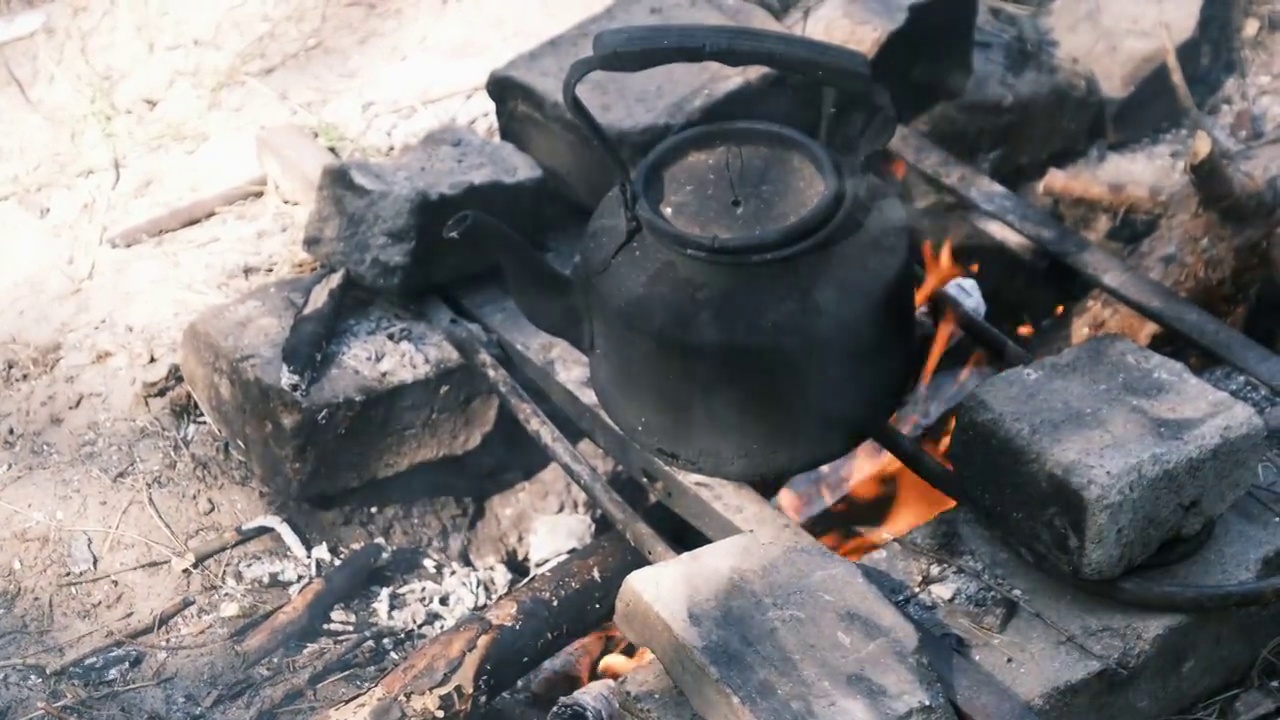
[[754, 629], [1093, 458], [391, 394], [383, 220]]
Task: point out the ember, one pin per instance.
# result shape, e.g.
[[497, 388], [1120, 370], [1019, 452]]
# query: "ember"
[[869, 474]]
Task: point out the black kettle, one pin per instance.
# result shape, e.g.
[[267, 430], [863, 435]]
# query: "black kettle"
[[745, 298]]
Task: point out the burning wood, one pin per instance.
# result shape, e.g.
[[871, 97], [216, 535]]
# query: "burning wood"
[[869, 479], [457, 672]]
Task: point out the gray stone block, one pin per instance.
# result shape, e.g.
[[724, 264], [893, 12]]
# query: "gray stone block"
[[383, 220], [637, 110], [391, 394], [757, 629], [1094, 458]]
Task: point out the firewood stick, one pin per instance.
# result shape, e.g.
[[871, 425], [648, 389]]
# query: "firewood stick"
[[570, 668], [132, 632], [1118, 197], [311, 332], [594, 701], [457, 672], [217, 545], [310, 606], [188, 214]]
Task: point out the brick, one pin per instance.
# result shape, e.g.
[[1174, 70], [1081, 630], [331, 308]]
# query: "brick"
[[391, 394], [293, 160], [1095, 457], [383, 220], [761, 629], [637, 110]]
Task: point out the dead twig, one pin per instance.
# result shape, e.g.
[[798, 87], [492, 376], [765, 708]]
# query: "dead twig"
[[1116, 197], [54, 712], [132, 632], [189, 213], [242, 533], [95, 696]]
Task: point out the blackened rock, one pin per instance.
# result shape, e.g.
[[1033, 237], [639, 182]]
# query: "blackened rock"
[[637, 110], [383, 220], [392, 393], [1023, 108], [1094, 458], [921, 50]]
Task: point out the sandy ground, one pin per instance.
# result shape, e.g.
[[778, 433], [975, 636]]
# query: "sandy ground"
[[116, 110]]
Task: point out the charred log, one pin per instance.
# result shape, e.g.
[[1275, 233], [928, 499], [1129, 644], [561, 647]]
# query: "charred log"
[[594, 701], [456, 673]]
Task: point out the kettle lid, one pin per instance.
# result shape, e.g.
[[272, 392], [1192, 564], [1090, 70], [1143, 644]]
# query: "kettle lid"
[[737, 189]]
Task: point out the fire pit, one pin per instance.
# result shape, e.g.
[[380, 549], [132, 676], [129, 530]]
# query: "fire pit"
[[1063, 537]]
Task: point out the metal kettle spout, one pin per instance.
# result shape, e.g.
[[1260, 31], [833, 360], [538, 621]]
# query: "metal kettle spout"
[[544, 294]]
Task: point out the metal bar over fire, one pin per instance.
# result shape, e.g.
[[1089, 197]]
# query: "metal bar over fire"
[[1101, 268]]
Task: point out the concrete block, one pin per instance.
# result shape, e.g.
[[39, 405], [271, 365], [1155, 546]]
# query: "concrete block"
[[383, 220], [777, 630], [637, 110], [1094, 458], [391, 394]]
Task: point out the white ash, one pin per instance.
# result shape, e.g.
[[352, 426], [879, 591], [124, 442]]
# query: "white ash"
[[380, 346], [553, 537], [270, 571], [432, 606]]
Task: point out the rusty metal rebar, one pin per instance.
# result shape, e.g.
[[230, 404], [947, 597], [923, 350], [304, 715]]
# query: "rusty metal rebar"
[[470, 345]]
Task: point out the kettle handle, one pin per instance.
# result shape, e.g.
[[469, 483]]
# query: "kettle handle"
[[642, 47]]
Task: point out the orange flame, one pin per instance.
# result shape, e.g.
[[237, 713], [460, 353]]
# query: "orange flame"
[[869, 472], [897, 168], [615, 665]]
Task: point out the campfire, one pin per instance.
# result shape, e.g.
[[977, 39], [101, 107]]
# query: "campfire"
[[967, 497]]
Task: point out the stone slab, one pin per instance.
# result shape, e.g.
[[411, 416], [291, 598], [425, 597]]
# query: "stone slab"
[[391, 394], [383, 220], [640, 109], [775, 630], [1093, 458]]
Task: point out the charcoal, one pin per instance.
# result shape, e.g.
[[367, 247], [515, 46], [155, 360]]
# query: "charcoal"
[[382, 221], [637, 110], [391, 393], [1094, 458]]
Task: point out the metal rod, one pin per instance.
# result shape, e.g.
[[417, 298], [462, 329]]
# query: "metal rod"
[[919, 461], [470, 345], [1101, 268], [983, 332]]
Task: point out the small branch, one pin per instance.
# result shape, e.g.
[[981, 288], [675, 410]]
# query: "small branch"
[[132, 632], [189, 213], [1116, 197]]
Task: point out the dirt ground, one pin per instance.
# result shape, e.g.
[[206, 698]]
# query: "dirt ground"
[[112, 112]]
